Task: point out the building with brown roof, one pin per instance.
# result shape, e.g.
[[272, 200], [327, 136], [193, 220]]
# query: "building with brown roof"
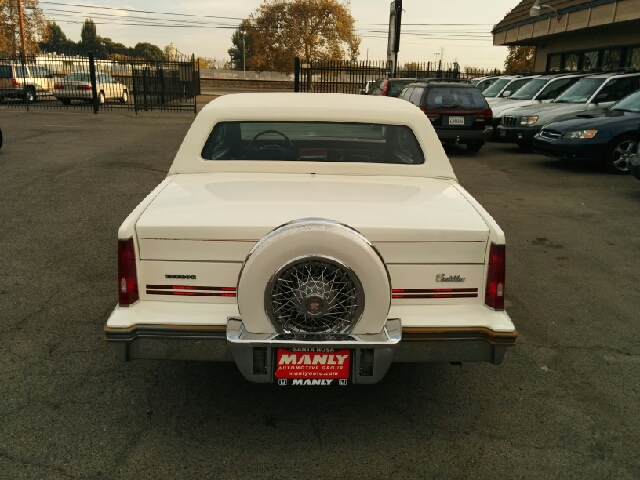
[[575, 34]]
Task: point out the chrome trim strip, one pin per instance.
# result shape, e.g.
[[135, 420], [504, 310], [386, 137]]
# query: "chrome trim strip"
[[389, 336]]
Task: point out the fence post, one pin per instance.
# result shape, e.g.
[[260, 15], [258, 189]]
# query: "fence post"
[[135, 90], [296, 75], [94, 88], [196, 89], [24, 81]]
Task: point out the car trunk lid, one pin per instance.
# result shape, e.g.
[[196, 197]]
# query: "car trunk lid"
[[219, 217]]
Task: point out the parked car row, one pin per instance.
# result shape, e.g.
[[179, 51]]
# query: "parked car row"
[[567, 115], [596, 101], [31, 82]]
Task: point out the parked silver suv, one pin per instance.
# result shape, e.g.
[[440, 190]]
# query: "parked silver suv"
[[25, 81], [601, 90]]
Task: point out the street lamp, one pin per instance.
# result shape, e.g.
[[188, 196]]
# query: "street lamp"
[[536, 10], [244, 57]]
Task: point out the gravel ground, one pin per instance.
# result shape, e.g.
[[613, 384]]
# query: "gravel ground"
[[564, 404]]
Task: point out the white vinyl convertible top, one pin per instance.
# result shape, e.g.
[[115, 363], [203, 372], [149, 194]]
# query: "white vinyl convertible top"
[[319, 107]]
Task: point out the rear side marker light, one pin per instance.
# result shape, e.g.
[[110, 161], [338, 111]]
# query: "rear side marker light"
[[127, 275], [494, 293]]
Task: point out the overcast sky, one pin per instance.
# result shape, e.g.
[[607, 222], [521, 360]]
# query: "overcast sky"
[[469, 41]]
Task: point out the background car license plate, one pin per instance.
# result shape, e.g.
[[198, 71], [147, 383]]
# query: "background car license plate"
[[503, 133], [312, 366], [456, 120]]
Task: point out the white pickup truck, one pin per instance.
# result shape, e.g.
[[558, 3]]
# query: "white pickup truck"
[[313, 239]]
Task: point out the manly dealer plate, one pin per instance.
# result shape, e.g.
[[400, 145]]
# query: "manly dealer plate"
[[312, 366], [456, 120]]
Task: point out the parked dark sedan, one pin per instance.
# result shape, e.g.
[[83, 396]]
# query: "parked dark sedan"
[[610, 135], [457, 110]]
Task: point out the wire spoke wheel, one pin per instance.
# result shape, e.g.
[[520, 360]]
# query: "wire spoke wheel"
[[314, 295]]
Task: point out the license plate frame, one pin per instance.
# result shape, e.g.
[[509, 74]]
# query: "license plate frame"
[[305, 366], [457, 121]]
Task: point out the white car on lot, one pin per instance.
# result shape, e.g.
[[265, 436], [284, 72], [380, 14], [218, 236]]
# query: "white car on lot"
[[77, 86], [313, 239]]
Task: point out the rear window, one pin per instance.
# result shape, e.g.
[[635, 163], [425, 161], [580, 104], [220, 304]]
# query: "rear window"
[[395, 87], [313, 142], [78, 77], [453, 97]]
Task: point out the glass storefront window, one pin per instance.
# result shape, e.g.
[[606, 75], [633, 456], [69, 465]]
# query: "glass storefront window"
[[571, 61], [633, 57], [555, 63], [590, 61], [611, 59]]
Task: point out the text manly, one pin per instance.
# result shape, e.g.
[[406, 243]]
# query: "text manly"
[[313, 359]]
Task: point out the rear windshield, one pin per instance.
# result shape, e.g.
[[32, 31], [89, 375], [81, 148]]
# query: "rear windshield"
[[78, 77], [39, 72], [581, 91], [529, 90], [454, 97], [313, 142]]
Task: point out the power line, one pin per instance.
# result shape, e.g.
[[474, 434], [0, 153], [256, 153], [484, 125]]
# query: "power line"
[[139, 11], [60, 11]]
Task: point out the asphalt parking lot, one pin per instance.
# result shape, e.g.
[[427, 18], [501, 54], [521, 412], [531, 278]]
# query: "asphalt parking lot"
[[564, 404]]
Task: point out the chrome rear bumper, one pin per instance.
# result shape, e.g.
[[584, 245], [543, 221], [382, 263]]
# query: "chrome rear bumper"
[[233, 343]]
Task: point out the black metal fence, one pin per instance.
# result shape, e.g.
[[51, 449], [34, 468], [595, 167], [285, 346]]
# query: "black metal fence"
[[341, 76], [83, 82]]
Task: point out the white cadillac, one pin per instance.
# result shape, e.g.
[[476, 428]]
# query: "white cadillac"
[[313, 239]]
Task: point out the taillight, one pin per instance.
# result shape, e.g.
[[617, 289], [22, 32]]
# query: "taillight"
[[432, 115], [385, 87], [59, 86], [127, 277], [494, 294], [84, 87], [15, 82], [484, 115]]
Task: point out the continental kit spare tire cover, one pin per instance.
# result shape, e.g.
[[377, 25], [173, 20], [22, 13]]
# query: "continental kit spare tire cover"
[[314, 276]]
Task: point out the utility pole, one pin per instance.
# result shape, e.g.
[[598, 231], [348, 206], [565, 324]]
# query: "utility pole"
[[24, 46]]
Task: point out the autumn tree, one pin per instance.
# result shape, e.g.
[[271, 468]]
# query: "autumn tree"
[[520, 59], [285, 29], [35, 27]]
